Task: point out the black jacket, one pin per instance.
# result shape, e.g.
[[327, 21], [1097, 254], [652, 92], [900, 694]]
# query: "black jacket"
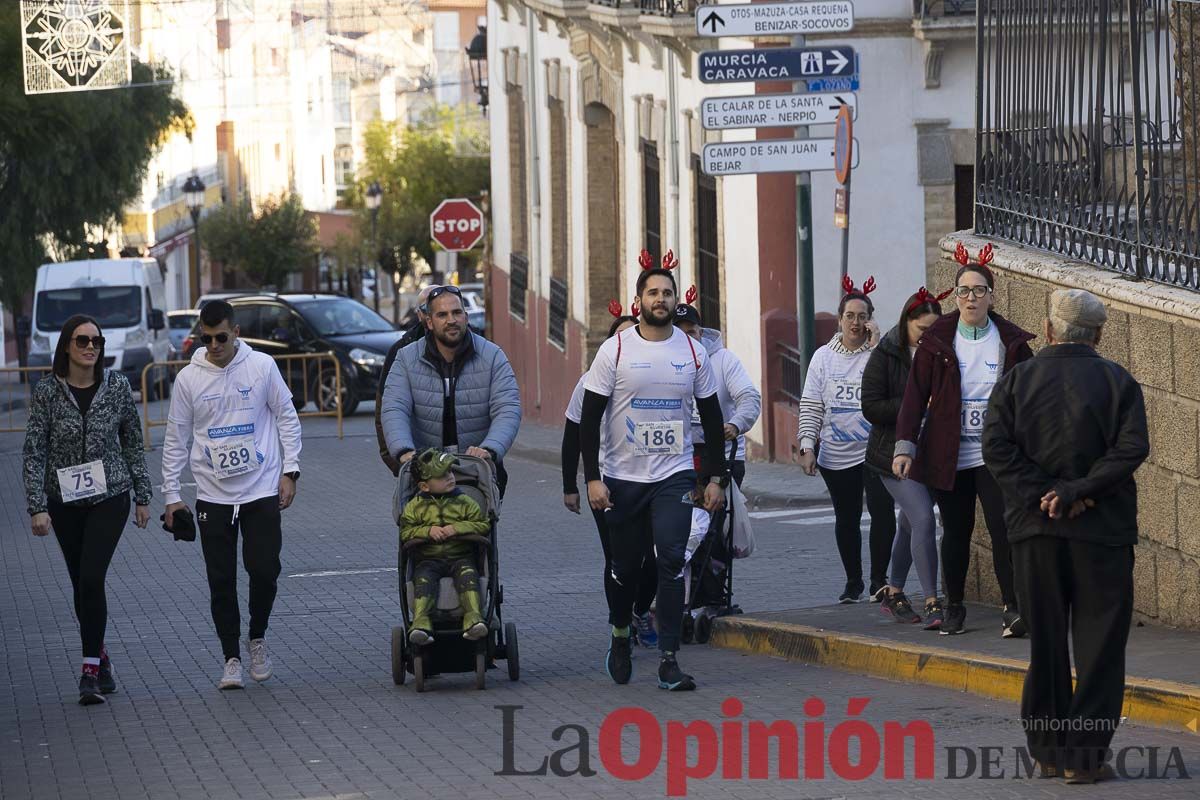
[[883, 383], [415, 333], [1074, 422]]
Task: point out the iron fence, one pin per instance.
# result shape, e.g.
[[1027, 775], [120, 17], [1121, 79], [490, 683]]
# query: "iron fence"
[[1088, 131], [791, 363]]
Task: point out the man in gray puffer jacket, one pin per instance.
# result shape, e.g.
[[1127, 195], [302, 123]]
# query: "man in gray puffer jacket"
[[452, 388]]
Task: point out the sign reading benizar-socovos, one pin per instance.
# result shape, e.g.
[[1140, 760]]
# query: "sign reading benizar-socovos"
[[774, 110], [775, 19]]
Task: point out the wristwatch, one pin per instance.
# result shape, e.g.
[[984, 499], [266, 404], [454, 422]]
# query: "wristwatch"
[[294, 475], [720, 480]]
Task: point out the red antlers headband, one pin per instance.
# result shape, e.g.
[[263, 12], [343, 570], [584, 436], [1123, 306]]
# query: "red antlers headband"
[[867, 288], [615, 309], [985, 257], [691, 295], [923, 297], [669, 261]]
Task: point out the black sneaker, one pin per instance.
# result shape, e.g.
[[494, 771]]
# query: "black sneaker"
[[934, 614], [897, 605], [878, 592], [106, 680], [672, 678], [619, 661], [1014, 626], [853, 592], [955, 619], [89, 691]]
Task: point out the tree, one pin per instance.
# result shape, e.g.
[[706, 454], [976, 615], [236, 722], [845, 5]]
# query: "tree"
[[70, 161], [418, 166], [266, 244]]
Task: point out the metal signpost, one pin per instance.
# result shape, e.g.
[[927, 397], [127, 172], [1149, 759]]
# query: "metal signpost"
[[774, 110], [845, 151], [775, 19]]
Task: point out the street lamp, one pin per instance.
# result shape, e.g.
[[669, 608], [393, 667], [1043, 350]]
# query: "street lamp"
[[477, 60], [193, 196], [374, 200]]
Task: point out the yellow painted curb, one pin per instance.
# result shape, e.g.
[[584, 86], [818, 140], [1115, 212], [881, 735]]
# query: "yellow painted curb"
[[1151, 702]]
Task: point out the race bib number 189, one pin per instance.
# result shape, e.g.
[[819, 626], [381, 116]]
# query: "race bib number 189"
[[974, 414], [658, 438]]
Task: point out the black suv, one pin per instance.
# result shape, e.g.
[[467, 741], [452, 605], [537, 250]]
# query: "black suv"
[[287, 324]]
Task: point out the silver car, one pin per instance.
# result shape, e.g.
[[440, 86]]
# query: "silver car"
[[179, 325]]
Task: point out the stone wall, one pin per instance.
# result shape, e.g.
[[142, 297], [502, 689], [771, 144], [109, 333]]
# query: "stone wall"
[[1153, 331]]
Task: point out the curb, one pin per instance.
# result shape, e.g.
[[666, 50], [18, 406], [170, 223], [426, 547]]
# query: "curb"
[[1163, 704], [754, 499]]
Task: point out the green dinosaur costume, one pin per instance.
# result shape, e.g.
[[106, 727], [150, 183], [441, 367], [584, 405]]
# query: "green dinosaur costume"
[[449, 558]]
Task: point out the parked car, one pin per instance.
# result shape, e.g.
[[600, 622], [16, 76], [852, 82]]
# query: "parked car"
[[289, 324], [208, 298], [179, 325], [125, 295]]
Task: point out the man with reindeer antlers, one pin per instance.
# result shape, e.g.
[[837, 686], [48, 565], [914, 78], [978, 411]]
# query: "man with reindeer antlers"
[[647, 379]]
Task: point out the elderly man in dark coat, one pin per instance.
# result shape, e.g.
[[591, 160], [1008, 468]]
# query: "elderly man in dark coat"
[[1065, 433]]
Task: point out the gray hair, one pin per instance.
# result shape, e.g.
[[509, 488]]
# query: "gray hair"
[[1065, 333]]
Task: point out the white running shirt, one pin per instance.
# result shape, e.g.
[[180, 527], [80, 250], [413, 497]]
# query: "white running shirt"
[[835, 380], [651, 391], [979, 369]]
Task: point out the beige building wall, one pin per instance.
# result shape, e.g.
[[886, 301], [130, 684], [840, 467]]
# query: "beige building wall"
[[1152, 331]]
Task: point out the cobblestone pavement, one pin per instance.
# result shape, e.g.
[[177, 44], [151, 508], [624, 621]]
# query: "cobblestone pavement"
[[331, 724]]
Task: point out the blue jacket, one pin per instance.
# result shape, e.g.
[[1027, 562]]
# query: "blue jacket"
[[487, 400]]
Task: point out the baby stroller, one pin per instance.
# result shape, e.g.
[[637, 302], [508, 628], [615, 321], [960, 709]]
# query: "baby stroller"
[[449, 652], [708, 573]]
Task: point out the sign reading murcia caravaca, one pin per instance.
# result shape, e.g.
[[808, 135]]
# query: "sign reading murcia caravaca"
[[74, 45]]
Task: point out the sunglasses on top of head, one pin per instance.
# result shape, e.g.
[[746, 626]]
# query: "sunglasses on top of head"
[[438, 292], [82, 342], [221, 338]]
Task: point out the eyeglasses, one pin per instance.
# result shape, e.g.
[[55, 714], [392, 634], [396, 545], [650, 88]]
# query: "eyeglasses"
[[438, 292], [221, 338], [967, 291], [850, 316], [83, 341]]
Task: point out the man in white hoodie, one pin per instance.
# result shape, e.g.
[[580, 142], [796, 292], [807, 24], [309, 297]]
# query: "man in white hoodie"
[[236, 410]]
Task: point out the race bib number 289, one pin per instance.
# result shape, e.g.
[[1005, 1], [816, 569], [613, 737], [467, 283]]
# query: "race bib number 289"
[[233, 456]]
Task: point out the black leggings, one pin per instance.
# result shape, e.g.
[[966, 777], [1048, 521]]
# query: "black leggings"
[[88, 536], [958, 525], [846, 490], [647, 586]]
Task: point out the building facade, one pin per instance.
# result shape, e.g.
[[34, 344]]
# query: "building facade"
[[596, 144]]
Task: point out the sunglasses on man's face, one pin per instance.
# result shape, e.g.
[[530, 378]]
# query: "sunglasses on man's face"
[[221, 338], [83, 341]]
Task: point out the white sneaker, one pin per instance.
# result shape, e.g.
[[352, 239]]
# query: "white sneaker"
[[260, 662], [232, 678]]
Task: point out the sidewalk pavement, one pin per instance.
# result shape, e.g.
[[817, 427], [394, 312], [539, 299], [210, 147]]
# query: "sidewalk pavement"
[[767, 485], [1162, 683]]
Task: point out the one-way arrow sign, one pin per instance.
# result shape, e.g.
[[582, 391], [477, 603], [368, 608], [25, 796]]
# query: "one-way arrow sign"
[[774, 64], [713, 19], [777, 19]]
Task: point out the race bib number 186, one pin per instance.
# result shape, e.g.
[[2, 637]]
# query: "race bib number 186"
[[658, 438]]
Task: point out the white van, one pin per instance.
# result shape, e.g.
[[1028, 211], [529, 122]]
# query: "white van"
[[125, 295]]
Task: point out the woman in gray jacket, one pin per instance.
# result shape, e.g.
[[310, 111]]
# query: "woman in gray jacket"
[[83, 455]]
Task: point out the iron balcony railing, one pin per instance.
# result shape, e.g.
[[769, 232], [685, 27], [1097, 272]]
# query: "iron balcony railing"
[[936, 9], [518, 284], [557, 331], [791, 364], [667, 8], [1088, 132]]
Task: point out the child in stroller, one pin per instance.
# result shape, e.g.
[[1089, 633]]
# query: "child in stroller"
[[439, 514]]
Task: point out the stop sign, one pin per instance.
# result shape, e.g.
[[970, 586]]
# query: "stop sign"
[[456, 224]]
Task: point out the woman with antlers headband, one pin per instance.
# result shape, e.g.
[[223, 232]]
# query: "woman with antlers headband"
[[883, 385], [643, 618], [939, 434], [831, 415]]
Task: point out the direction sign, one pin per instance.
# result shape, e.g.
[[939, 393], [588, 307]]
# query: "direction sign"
[[775, 19], [456, 224], [774, 110], [775, 64], [769, 155]]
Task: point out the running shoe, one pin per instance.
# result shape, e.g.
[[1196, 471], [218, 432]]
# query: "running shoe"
[[672, 678], [420, 636], [1104, 772], [933, 614], [260, 662], [900, 609], [878, 592], [955, 619], [231, 678], [618, 663], [476, 632], [1014, 626], [643, 629], [106, 679], [89, 691], [852, 593]]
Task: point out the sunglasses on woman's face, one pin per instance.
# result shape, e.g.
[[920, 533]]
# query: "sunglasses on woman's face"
[[83, 341], [221, 338]]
